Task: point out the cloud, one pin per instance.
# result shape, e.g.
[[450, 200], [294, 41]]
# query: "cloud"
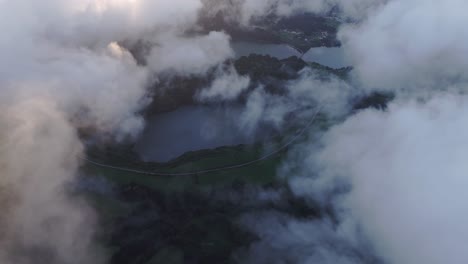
[[359, 9], [409, 44], [98, 22], [393, 180], [189, 55], [227, 86], [297, 101], [64, 68], [406, 168], [246, 11], [285, 239], [39, 221], [397, 175]]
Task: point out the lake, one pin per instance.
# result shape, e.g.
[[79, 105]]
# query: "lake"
[[331, 57], [274, 50], [189, 128]]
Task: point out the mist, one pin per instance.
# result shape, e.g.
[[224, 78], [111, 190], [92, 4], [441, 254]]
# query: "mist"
[[406, 169], [393, 179], [64, 70], [415, 44], [397, 175], [389, 183], [245, 12]]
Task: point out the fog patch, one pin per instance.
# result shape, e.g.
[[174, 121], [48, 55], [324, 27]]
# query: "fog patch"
[[227, 86], [64, 69], [406, 172]]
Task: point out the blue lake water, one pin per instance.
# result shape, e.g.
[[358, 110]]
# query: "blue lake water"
[[191, 128], [331, 57]]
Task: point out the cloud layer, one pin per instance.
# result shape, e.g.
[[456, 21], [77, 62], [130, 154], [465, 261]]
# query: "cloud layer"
[[410, 44], [246, 11], [406, 169], [64, 68], [398, 175]]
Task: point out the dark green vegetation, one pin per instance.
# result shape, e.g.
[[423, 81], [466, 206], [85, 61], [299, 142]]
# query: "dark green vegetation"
[[173, 92], [144, 225], [307, 31], [260, 173], [261, 67], [376, 100], [325, 72], [302, 32], [188, 219], [151, 219]]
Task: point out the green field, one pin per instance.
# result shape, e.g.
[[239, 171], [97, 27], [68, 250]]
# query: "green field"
[[154, 219]]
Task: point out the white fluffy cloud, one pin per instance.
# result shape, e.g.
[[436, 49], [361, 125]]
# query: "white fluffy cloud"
[[228, 85], [244, 11], [186, 56], [407, 171], [38, 155], [62, 68], [410, 43], [301, 98], [398, 175]]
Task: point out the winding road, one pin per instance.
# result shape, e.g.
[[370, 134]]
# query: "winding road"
[[218, 169]]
